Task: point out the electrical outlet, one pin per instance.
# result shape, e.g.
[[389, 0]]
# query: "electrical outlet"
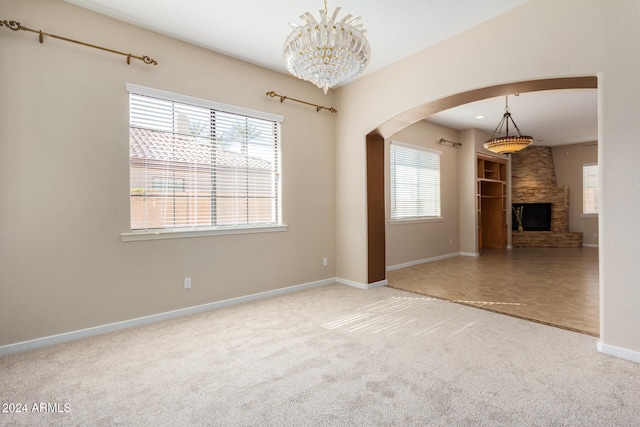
[[325, 261], [187, 283]]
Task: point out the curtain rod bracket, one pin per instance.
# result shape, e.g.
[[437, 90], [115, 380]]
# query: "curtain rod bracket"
[[318, 107], [16, 26]]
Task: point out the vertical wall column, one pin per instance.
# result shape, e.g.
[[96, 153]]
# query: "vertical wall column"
[[375, 209]]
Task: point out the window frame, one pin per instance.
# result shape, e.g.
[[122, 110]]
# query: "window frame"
[[584, 187], [392, 199], [213, 230]]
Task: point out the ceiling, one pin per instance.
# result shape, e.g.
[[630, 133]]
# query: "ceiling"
[[552, 118], [255, 31]]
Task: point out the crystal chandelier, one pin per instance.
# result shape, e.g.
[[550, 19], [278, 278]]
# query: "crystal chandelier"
[[507, 144], [327, 52]]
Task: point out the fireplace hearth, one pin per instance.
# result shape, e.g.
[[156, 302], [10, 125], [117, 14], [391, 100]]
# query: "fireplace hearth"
[[535, 216]]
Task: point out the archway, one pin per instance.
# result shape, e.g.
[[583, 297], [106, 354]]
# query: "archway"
[[376, 257]]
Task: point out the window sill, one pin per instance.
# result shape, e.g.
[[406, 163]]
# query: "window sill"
[[584, 215], [415, 220], [184, 233]]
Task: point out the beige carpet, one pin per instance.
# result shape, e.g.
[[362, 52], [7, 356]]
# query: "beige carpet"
[[330, 356]]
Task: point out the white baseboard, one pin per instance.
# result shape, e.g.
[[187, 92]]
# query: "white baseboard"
[[473, 254], [622, 353], [362, 285], [425, 260], [103, 329], [589, 245]]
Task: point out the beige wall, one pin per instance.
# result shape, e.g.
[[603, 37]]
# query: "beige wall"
[[408, 243], [63, 133], [413, 242], [568, 160], [64, 179], [580, 38]]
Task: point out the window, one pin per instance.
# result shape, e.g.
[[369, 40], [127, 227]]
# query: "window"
[[415, 182], [162, 183], [196, 164], [590, 189]]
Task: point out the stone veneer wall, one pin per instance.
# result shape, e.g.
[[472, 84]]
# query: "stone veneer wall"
[[533, 180], [533, 168], [558, 196]]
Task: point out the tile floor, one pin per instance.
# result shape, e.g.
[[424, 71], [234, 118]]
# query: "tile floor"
[[554, 286]]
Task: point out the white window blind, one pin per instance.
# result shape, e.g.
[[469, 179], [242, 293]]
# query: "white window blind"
[[415, 182], [590, 189], [198, 164]]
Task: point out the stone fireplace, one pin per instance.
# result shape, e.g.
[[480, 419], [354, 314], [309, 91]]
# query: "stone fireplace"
[[533, 181]]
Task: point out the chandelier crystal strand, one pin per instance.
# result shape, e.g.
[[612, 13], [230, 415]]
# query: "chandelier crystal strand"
[[327, 52]]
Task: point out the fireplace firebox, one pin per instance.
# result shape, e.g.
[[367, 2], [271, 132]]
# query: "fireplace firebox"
[[535, 216]]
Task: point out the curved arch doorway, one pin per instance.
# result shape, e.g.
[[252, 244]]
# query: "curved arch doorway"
[[376, 257]]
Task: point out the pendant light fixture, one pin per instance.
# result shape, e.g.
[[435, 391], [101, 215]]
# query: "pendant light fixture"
[[510, 143], [327, 52]]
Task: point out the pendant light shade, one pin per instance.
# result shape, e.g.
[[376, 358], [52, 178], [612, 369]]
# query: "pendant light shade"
[[509, 143]]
